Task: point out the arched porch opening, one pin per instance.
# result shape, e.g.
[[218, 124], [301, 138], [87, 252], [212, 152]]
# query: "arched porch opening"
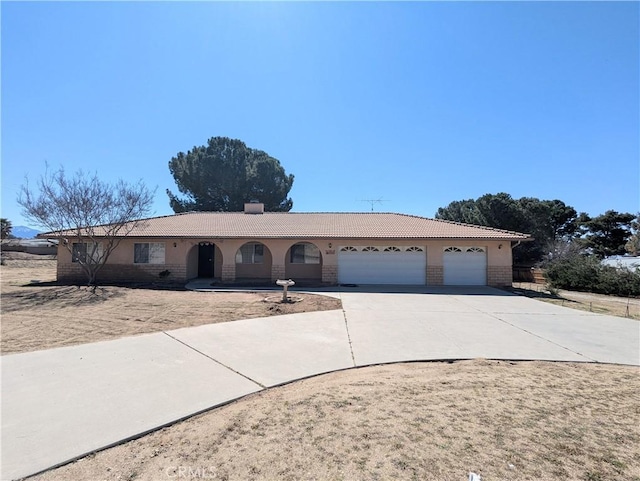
[[303, 263], [204, 260], [253, 262]]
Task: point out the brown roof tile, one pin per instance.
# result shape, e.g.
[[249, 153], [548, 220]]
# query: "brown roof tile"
[[368, 225]]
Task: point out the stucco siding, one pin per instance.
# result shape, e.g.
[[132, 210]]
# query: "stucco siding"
[[303, 271], [181, 260]]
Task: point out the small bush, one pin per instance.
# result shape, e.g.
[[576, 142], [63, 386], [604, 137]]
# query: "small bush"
[[587, 274]]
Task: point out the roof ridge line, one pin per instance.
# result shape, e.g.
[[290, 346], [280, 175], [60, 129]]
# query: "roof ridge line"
[[270, 212], [495, 229]]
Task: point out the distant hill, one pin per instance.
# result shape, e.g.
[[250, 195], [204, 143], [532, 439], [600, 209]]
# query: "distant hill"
[[22, 232]]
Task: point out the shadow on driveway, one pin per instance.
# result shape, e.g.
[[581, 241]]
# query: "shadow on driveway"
[[209, 285]]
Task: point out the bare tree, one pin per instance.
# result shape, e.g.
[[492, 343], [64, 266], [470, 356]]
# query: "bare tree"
[[562, 248], [88, 217], [5, 228]]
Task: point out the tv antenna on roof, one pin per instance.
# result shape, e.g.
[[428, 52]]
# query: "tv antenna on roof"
[[374, 201]]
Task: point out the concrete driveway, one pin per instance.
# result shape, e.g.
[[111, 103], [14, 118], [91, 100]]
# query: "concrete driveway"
[[63, 403], [465, 323]]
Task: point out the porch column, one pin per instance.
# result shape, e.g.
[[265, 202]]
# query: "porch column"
[[228, 248], [228, 272], [278, 250], [277, 271]]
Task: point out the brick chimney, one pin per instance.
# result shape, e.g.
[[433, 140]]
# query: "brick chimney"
[[254, 207]]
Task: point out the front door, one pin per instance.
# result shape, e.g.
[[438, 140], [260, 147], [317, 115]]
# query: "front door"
[[205, 260]]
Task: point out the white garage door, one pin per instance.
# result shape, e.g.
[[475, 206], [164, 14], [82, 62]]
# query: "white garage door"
[[465, 266], [382, 265]]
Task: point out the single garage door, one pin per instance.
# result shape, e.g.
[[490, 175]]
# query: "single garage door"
[[465, 266], [382, 265]]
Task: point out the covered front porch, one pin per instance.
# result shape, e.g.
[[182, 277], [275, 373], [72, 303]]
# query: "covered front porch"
[[257, 262]]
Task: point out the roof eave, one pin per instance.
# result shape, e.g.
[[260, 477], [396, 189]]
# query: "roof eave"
[[302, 236]]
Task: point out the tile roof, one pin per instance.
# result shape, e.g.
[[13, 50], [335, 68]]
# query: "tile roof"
[[366, 225]]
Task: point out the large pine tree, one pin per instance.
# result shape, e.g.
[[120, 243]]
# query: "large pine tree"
[[224, 174]]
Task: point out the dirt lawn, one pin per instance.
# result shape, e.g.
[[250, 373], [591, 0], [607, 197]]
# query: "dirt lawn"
[[44, 316], [419, 421], [583, 301]]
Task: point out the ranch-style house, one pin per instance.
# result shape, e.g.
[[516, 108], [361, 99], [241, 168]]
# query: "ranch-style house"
[[255, 246]]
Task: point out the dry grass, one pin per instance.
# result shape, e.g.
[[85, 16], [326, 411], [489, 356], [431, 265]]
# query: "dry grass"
[[45, 315], [421, 421], [584, 301]]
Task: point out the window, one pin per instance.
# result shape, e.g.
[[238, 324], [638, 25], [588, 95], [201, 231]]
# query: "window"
[[80, 250], [414, 249], [453, 249], [391, 249], [348, 249], [475, 249], [79, 253], [370, 249], [251, 253], [148, 253], [304, 253]]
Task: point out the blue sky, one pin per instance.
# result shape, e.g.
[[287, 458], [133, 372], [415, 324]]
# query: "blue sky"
[[418, 104]]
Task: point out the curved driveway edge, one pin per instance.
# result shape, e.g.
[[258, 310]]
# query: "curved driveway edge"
[[60, 404]]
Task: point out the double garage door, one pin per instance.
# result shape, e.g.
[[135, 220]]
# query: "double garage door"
[[408, 265], [382, 265]]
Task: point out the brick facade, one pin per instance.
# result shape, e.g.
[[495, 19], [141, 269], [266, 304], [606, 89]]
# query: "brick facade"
[[499, 276], [277, 272], [329, 274], [182, 263], [228, 272], [435, 275], [125, 273]]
